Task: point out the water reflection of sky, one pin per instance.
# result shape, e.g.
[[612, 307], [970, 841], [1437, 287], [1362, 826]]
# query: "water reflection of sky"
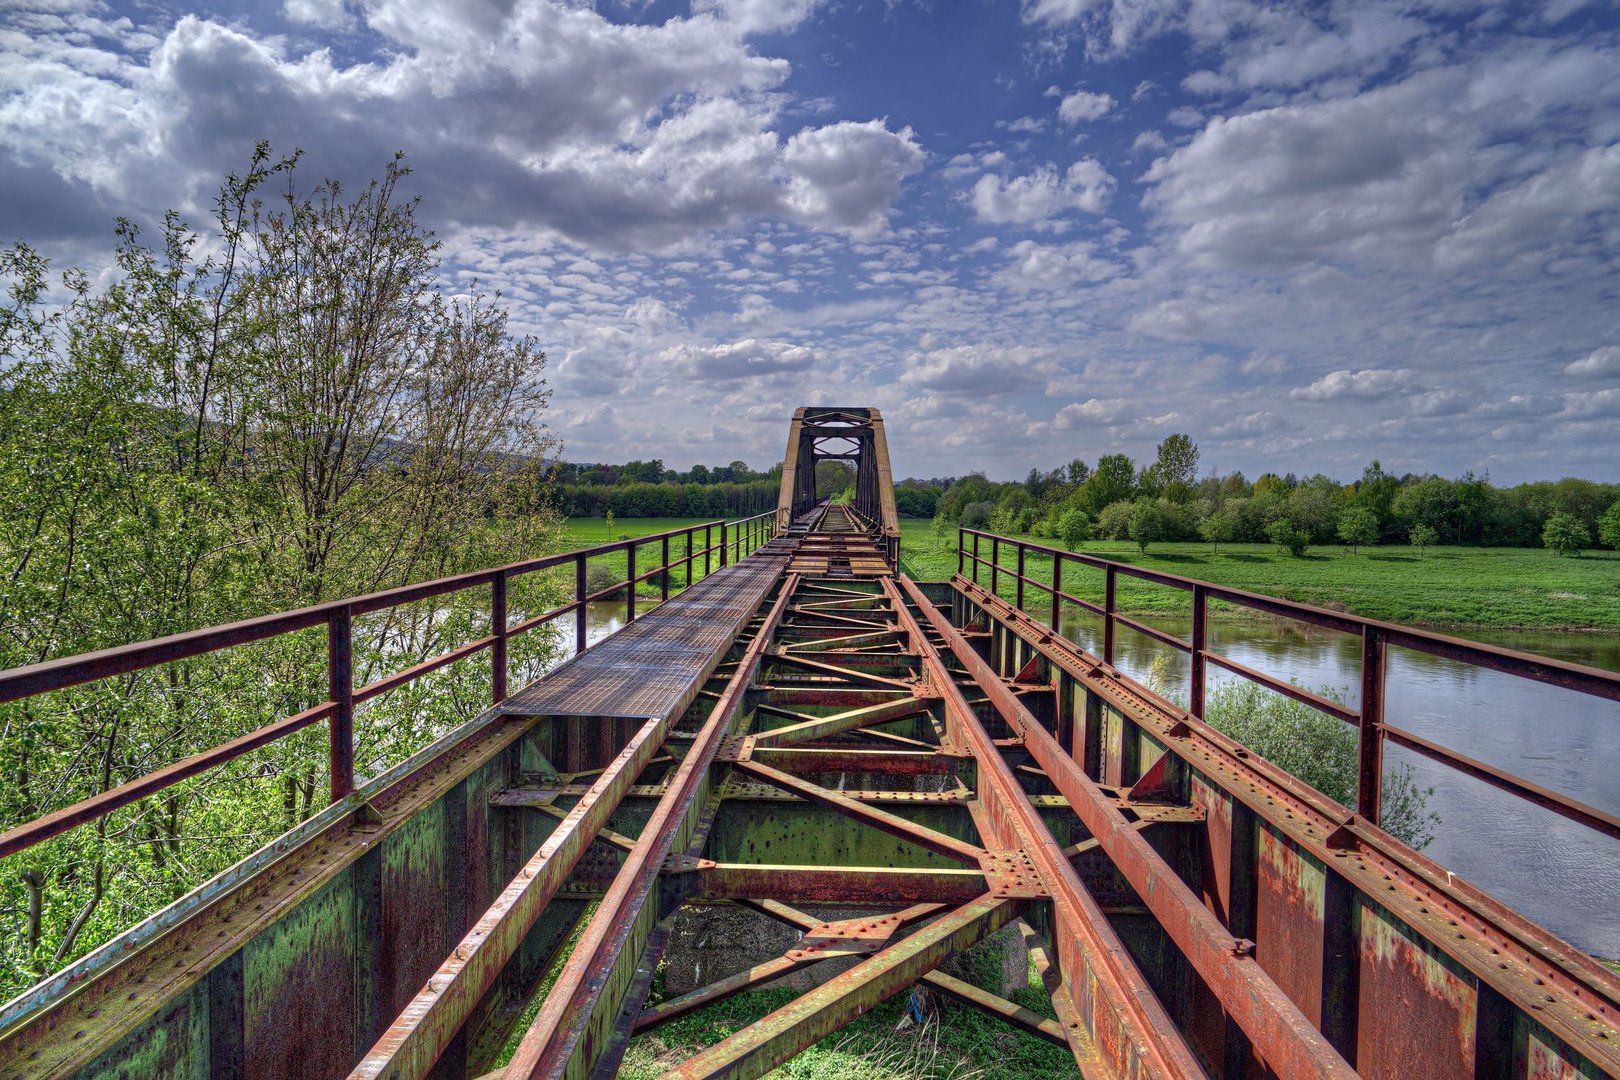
[[1557, 872]]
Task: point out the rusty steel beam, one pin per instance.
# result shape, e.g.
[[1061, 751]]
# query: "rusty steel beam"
[[746, 979], [558, 1043], [426, 1026], [948, 846], [1127, 1031], [133, 978], [846, 759], [836, 884], [1280, 1033], [821, 727], [1575, 997], [761, 1046], [819, 941], [1031, 1023], [816, 667]]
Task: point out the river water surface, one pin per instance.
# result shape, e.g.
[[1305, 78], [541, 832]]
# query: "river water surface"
[[1557, 872]]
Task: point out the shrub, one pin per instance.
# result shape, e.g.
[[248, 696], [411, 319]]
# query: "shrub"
[[1146, 524], [1422, 536], [1609, 526], [1565, 535], [1114, 523], [976, 515], [1318, 749], [1358, 526], [1073, 527], [1286, 535], [599, 577]]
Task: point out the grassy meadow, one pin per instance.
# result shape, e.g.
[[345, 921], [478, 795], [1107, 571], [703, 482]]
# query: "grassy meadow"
[[1446, 586], [1502, 588]]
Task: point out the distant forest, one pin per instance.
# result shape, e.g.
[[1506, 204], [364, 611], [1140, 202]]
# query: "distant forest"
[[648, 489], [1162, 500]]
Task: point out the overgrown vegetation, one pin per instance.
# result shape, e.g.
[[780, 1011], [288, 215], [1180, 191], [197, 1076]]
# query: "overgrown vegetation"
[[283, 408], [1308, 745], [962, 1044]]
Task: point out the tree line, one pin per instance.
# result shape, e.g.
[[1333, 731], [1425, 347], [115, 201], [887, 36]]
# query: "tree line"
[[643, 489], [284, 407], [1166, 500]]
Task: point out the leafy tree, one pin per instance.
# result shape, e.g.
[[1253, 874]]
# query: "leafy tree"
[[1146, 524], [1073, 527], [1176, 470], [1113, 480], [1288, 536], [1609, 526], [1422, 536], [1313, 507], [1219, 527], [1357, 526], [976, 515], [1114, 523], [281, 409], [1078, 472], [1564, 534]]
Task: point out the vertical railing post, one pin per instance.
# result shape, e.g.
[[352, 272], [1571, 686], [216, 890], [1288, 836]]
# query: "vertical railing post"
[[1057, 591], [689, 533], [340, 691], [1370, 744], [1108, 616], [497, 630], [630, 583], [975, 558], [663, 577], [579, 604], [1195, 692], [995, 565], [722, 545], [961, 553], [708, 546], [1018, 593]]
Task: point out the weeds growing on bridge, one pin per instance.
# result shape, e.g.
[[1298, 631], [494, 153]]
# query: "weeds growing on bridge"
[[960, 1044]]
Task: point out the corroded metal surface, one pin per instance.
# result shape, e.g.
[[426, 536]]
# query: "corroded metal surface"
[[651, 666]]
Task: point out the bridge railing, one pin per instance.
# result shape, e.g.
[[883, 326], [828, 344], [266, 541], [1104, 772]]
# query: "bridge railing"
[[1001, 557], [710, 544]]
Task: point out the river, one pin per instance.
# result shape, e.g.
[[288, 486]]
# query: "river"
[[1557, 872]]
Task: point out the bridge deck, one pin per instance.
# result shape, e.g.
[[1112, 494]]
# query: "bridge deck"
[[654, 666]]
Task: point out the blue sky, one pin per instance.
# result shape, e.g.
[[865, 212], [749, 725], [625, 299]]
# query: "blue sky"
[[1308, 235]]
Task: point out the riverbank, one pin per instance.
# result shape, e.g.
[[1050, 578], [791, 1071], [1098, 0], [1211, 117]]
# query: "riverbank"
[[1446, 587]]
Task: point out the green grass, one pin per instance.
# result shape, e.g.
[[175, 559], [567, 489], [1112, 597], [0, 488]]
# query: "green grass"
[[592, 532], [964, 1043], [588, 532], [1449, 586]]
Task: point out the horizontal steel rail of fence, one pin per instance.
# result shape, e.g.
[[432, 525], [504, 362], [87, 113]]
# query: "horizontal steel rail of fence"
[[1376, 638], [734, 541]]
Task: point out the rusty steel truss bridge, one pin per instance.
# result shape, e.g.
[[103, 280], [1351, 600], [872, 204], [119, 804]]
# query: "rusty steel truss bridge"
[[800, 733]]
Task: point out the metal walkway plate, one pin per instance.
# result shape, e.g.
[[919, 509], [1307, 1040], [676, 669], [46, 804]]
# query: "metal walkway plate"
[[654, 665]]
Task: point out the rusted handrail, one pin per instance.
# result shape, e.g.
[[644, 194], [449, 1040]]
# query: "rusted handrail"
[[338, 617], [1376, 636]]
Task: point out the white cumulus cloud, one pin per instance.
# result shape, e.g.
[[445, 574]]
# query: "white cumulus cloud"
[[1043, 194]]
